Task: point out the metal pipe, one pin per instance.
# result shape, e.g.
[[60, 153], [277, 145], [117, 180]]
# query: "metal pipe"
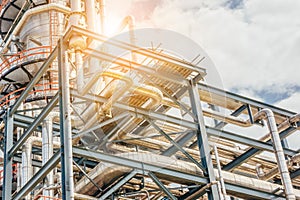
[[274, 171], [47, 149], [31, 12], [83, 197], [284, 125], [284, 172], [102, 15], [130, 22], [155, 95], [27, 162], [105, 172], [27, 157], [75, 12], [80, 70], [222, 184], [103, 109], [201, 190], [90, 11]]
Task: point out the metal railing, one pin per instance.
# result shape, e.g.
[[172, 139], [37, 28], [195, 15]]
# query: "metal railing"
[[46, 89], [24, 56]]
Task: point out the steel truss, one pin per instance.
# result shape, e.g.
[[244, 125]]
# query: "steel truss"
[[195, 128]]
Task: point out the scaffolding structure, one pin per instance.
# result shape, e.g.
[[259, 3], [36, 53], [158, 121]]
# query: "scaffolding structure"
[[79, 122]]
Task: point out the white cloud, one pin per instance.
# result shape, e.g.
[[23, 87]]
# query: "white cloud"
[[253, 47], [292, 103]]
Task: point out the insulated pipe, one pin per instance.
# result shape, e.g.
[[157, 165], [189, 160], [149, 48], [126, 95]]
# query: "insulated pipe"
[[27, 154], [284, 125], [273, 172], [75, 12], [155, 95], [27, 162], [31, 12], [80, 70], [102, 110], [207, 186], [284, 172], [90, 10], [102, 15], [104, 173], [47, 148], [130, 22], [47, 152]]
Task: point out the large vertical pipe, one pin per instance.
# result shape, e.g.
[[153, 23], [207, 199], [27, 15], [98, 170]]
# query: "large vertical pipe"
[[102, 16], [279, 154], [90, 10], [47, 151], [130, 22], [26, 163], [75, 12], [80, 70]]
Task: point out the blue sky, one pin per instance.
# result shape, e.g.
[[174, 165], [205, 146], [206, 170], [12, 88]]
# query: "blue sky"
[[254, 44]]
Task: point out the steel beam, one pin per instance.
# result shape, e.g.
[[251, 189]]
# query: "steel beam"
[[147, 167], [174, 78], [135, 164], [38, 177], [138, 50], [177, 145], [65, 122], [295, 174], [8, 143], [113, 130], [25, 121], [234, 137], [161, 186], [118, 185], [235, 113], [35, 163], [202, 139], [140, 112], [100, 125], [34, 125], [181, 142], [244, 100], [249, 193], [254, 151], [36, 78]]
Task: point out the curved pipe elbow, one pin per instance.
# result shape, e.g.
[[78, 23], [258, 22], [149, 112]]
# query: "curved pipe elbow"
[[155, 95]]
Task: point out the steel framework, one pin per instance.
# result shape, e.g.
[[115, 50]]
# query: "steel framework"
[[175, 161]]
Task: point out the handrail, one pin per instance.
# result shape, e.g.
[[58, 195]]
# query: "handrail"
[[23, 56], [6, 99], [3, 4]]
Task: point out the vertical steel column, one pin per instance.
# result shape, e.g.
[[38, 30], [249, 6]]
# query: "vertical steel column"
[[8, 143], [65, 123], [203, 140]]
